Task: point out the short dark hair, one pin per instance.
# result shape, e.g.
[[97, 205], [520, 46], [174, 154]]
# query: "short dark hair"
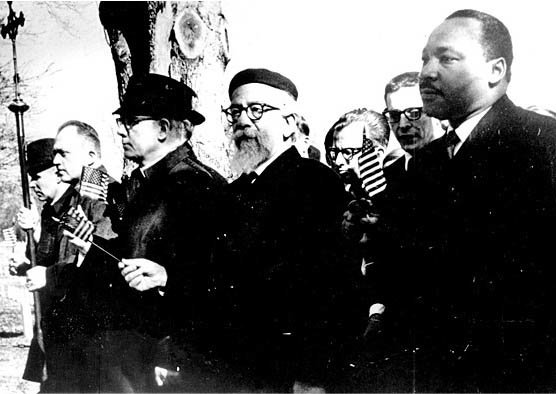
[[495, 37], [410, 78], [85, 131]]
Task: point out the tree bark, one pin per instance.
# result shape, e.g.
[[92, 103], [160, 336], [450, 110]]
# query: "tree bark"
[[187, 41]]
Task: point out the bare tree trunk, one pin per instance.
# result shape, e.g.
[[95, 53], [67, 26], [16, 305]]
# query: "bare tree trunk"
[[185, 40]]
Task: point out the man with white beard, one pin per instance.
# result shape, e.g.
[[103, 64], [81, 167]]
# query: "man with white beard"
[[284, 289]]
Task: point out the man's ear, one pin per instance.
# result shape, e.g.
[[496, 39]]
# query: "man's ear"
[[93, 158], [498, 69], [163, 130], [289, 132]]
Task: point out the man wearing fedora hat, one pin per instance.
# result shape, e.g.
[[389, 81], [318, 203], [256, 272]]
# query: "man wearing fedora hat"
[[155, 296], [280, 276]]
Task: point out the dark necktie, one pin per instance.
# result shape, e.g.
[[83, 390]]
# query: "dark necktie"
[[251, 177], [135, 182], [451, 140]]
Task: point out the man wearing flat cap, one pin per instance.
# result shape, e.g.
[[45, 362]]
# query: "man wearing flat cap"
[[155, 295], [278, 263]]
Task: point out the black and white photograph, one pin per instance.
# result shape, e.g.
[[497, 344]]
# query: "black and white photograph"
[[277, 196]]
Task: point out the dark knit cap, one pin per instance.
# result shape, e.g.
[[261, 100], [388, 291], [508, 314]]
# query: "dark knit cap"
[[264, 76], [39, 155], [159, 96]]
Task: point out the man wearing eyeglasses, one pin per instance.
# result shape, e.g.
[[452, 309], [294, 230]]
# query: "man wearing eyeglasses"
[[285, 286], [344, 144], [404, 111], [151, 303]]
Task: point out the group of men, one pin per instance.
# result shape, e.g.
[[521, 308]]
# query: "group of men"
[[433, 276]]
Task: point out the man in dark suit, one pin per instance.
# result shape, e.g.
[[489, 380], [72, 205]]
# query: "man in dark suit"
[[484, 289], [55, 169], [404, 111], [284, 283], [148, 312]]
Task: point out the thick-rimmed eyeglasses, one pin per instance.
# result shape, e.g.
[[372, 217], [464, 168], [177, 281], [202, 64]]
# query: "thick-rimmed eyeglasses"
[[411, 114], [128, 123], [254, 111], [347, 153]]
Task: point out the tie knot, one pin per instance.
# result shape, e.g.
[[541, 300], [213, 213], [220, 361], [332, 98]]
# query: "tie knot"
[[250, 177], [451, 137], [451, 140]]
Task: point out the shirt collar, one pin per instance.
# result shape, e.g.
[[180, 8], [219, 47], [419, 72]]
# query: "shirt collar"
[[464, 130], [259, 170]]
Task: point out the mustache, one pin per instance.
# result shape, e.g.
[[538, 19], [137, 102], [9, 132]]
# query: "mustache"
[[243, 135], [425, 84]]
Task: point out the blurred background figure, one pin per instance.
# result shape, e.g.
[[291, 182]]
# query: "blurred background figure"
[[302, 141], [542, 111]]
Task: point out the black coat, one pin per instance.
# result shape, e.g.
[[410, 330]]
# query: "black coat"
[[282, 273], [477, 282], [166, 214]]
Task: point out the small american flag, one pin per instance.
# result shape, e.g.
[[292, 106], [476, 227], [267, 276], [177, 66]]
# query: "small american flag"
[[10, 236], [94, 184], [370, 168]]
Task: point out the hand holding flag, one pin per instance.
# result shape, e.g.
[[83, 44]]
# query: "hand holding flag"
[[80, 230]]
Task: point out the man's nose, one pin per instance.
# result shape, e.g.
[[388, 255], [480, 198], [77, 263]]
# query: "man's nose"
[[243, 120], [56, 159], [404, 124], [340, 160], [429, 69], [121, 131]]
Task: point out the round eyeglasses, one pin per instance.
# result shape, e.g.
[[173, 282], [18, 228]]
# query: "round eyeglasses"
[[411, 114], [254, 111]]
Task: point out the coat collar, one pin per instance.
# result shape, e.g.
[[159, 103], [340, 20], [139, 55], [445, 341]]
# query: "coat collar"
[[165, 165]]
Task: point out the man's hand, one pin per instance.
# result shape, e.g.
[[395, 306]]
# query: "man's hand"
[[28, 218], [18, 267], [79, 230], [143, 274], [358, 219], [165, 377], [36, 278], [77, 222]]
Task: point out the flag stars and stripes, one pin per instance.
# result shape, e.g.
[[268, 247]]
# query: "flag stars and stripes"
[[370, 168], [94, 184]]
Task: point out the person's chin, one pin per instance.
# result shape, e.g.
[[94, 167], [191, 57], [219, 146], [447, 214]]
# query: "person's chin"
[[410, 145], [435, 107]]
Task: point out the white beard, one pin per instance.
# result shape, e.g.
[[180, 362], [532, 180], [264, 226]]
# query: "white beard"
[[250, 150]]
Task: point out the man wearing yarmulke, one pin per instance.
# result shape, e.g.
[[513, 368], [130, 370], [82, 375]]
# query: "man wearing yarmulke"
[[283, 287]]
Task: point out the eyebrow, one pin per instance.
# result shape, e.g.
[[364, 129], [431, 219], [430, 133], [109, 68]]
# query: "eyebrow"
[[440, 49]]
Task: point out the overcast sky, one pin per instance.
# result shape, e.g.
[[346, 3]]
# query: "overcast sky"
[[339, 53]]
